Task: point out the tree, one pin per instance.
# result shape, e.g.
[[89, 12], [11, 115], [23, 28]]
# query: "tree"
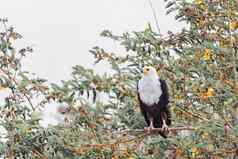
[[199, 63]]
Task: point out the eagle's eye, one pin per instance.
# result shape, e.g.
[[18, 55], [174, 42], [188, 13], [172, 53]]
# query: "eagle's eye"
[[146, 70]]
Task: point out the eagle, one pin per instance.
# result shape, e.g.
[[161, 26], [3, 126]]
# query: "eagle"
[[153, 98]]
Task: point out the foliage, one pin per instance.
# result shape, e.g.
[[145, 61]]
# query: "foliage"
[[199, 64]]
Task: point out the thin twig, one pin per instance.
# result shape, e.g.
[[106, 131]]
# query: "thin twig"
[[154, 15], [108, 145]]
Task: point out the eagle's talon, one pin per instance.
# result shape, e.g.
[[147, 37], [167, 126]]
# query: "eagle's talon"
[[147, 130], [151, 128], [165, 128]]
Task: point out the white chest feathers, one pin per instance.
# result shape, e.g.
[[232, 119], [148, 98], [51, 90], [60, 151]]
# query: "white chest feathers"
[[149, 91]]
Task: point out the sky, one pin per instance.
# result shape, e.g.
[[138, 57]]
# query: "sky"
[[62, 31]]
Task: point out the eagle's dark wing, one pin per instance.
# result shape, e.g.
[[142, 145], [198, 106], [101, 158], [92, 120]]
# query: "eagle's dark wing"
[[164, 101]]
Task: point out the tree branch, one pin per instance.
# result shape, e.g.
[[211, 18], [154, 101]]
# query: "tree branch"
[[84, 148], [23, 91], [172, 129], [156, 130]]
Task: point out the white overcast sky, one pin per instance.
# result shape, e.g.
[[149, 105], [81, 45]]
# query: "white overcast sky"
[[62, 31]]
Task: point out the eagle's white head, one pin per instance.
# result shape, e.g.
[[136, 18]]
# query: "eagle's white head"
[[149, 86], [150, 72]]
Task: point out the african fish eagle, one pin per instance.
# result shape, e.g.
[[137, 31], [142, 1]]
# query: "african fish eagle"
[[154, 99]]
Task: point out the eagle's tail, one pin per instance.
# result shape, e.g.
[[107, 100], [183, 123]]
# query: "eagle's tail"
[[163, 134], [158, 122], [159, 125]]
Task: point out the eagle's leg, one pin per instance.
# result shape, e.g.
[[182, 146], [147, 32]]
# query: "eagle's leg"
[[164, 125], [151, 126]]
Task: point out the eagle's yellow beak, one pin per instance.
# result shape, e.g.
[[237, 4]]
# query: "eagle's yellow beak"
[[146, 70]]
